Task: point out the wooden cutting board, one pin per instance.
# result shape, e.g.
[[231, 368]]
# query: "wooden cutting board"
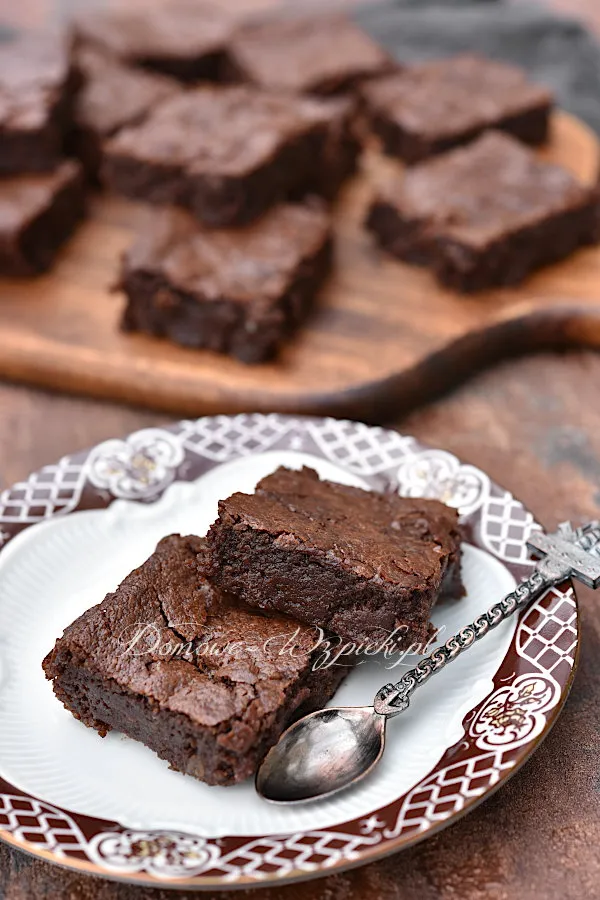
[[385, 337]]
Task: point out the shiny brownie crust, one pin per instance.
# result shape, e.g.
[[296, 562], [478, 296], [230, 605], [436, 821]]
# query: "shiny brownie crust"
[[227, 154], [38, 212], [263, 285], [212, 714], [361, 564], [301, 55], [38, 84], [485, 215], [113, 96], [185, 39], [430, 108]]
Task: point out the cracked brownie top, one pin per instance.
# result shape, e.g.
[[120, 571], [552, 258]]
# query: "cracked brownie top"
[[167, 634]]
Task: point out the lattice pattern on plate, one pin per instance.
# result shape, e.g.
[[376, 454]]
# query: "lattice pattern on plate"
[[446, 791], [38, 823], [304, 851], [364, 450], [221, 438], [547, 634], [145, 464], [505, 528], [54, 490]]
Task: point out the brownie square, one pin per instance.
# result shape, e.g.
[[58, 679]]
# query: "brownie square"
[[37, 86], [112, 96], [340, 153], [317, 55], [225, 153], [365, 565], [433, 107], [38, 212], [485, 215], [237, 291], [182, 38], [204, 683]]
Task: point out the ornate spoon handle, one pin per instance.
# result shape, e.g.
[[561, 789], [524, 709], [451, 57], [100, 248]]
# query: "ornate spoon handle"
[[395, 698], [568, 554]]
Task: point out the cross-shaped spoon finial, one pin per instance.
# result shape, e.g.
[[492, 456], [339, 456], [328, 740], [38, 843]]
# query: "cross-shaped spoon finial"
[[569, 553]]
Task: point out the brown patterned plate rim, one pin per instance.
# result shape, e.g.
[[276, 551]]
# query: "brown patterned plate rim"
[[500, 732]]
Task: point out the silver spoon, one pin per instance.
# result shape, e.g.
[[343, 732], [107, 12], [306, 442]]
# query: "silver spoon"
[[332, 749]]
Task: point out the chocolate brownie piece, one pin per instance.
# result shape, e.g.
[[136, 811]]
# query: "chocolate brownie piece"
[[433, 107], [207, 684], [38, 212], [238, 291], [113, 96], [38, 81], [226, 153], [182, 38], [485, 215], [340, 153], [318, 55], [362, 564]]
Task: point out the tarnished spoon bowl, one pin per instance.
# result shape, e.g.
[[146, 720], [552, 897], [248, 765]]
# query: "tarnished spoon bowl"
[[331, 749], [322, 753]]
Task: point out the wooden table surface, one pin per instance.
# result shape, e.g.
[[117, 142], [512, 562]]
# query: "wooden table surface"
[[534, 425]]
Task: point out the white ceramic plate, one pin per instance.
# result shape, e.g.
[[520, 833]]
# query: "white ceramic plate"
[[110, 806]]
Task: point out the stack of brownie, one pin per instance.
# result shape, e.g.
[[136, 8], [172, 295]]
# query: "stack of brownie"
[[212, 647], [41, 192], [243, 133], [64, 95], [143, 102], [476, 205], [132, 60], [237, 254]]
